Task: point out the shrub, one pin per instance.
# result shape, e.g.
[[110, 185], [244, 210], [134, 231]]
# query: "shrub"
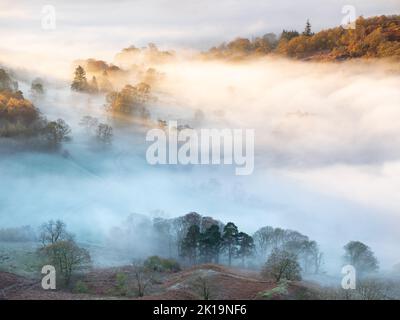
[[121, 286], [156, 263]]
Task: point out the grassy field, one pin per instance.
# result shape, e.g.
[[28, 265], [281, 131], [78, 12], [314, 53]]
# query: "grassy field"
[[20, 258]]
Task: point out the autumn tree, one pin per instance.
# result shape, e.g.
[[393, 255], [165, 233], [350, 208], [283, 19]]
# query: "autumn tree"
[[80, 82], [130, 100]]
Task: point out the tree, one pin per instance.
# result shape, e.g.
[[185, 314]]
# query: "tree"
[[66, 256], [240, 45], [204, 287], [361, 257], [263, 239], [80, 82], [143, 278], [93, 87], [158, 264], [104, 133], [280, 265], [130, 100], [90, 123], [52, 232], [307, 31], [230, 240], [57, 132], [210, 244], [289, 35], [6, 83], [190, 244], [246, 246], [60, 249], [105, 84], [37, 87]]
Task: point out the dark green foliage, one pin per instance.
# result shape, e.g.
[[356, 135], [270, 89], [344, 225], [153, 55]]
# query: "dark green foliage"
[[230, 240], [190, 244], [246, 246], [307, 31], [289, 34], [210, 244]]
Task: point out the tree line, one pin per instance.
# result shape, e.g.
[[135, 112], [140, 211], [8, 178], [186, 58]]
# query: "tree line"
[[375, 37]]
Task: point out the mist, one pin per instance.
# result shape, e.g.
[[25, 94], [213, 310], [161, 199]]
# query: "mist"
[[326, 154]]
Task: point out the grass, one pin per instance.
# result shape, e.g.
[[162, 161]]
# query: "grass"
[[20, 258], [280, 289]]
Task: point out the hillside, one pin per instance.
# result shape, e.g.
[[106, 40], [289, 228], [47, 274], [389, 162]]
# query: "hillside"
[[221, 283], [375, 37]]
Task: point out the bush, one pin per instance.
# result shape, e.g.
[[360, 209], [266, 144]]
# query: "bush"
[[121, 286], [156, 263]]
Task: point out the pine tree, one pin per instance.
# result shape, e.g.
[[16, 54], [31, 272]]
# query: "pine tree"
[[230, 240], [246, 246], [80, 82], [307, 31], [190, 244], [210, 244]]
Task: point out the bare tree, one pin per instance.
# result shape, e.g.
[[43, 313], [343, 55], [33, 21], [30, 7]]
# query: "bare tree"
[[203, 287], [53, 231], [143, 278]]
